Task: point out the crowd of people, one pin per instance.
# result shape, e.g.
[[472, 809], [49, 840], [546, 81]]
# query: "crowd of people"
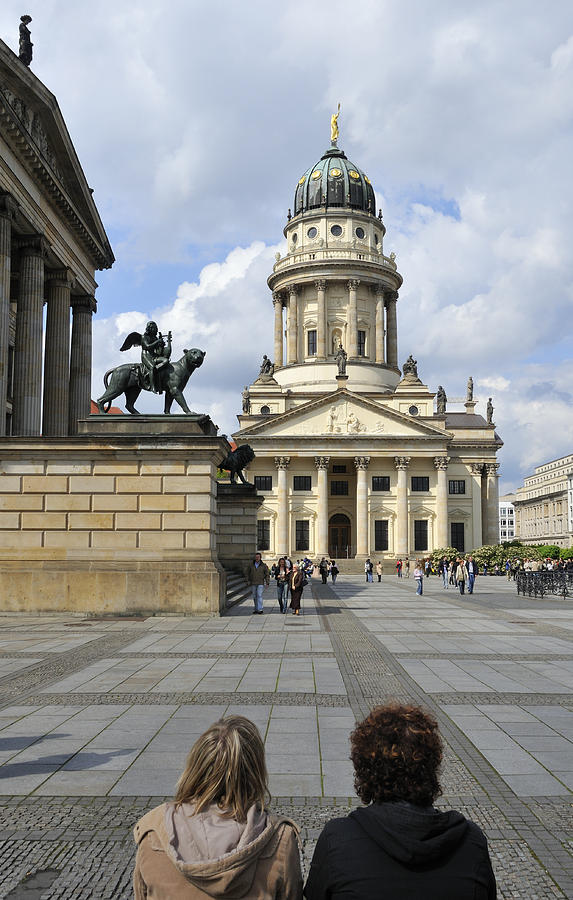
[[291, 578], [217, 837]]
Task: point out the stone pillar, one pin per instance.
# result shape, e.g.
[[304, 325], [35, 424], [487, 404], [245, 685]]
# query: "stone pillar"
[[441, 464], [402, 463], [83, 307], [282, 463], [476, 470], [322, 463], [278, 305], [292, 327], [352, 318], [321, 335], [27, 415], [380, 356], [57, 353], [492, 495], [8, 207], [362, 463], [392, 331]]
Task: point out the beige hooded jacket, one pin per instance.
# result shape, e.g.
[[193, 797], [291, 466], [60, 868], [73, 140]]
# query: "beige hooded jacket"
[[188, 857]]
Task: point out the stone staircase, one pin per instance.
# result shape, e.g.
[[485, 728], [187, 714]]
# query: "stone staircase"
[[237, 587]]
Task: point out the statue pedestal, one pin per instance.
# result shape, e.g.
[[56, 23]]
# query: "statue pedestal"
[[147, 425], [341, 381], [470, 406]]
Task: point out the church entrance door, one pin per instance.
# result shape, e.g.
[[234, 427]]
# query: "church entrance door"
[[339, 543]]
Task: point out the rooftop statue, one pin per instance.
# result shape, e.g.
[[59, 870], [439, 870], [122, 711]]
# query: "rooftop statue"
[[470, 390], [267, 367], [25, 47], [410, 367], [489, 412], [334, 132], [441, 400], [341, 356], [155, 373]]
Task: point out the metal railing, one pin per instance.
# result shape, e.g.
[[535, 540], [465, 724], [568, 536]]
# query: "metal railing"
[[539, 584]]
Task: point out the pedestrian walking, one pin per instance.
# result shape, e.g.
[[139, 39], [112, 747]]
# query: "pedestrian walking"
[[334, 571], [461, 575], [407, 567], [379, 571], [297, 583], [419, 577], [216, 839], [258, 576], [399, 568], [443, 571], [323, 569], [282, 576], [472, 568], [368, 569]]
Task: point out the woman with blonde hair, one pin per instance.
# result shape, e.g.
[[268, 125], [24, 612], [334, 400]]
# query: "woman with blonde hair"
[[216, 839]]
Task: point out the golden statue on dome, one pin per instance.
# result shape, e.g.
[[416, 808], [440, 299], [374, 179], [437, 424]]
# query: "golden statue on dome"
[[334, 132]]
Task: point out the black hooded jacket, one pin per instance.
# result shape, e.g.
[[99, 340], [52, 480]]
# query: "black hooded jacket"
[[394, 851]]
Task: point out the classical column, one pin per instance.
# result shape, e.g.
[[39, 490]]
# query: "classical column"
[[292, 327], [81, 360], [8, 207], [380, 356], [362, 463], [441, 464], [278, 305], [392, 330], [321, 335], [27, 415], [322, 463], [352, 318], [282, 463], [476, 470], [492, 494], [57, 353], [402, 463]]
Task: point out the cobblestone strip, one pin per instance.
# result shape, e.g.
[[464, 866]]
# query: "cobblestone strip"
[[172, 699], [357, 648]]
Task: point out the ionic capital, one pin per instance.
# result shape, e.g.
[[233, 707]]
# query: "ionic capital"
[[83, 303], [441, 462], [282, 462], [402, 462], [361, 462], [320, 284], [353, 283], [491, 469], [476, 468], [322, 462]]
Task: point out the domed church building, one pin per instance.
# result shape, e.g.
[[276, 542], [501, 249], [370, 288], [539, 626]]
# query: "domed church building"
[[353, 456]]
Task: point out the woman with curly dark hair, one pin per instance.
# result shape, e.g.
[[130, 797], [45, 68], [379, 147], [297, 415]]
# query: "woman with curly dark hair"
[[399, 846]]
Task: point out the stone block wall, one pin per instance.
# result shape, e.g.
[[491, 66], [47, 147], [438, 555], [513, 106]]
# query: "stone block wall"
[[237, 524]]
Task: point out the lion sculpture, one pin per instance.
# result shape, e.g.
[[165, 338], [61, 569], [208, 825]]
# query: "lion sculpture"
[[236, 461]]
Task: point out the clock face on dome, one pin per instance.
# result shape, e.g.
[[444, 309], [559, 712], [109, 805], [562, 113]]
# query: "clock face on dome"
[[336, 172], [353, 173], [316, 174], [302, 179]]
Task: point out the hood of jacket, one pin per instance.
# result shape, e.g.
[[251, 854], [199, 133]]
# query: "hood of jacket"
[[218, 855], [413, 835]]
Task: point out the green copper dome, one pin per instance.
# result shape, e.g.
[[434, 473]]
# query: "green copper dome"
[[334, 181]]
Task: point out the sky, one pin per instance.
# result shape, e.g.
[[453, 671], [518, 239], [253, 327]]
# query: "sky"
[[193, 122]]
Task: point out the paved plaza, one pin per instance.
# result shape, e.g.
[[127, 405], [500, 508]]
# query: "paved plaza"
[[97, 716]]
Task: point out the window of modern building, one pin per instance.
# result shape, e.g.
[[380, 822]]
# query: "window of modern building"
[[380, 482], [457, 536], [361, 343], [302, 483], [302, 531], [456, 486], [339, 488], [264, 482], [263, 534], [420, 483], [339, 469], [420, 534], [311, 342], [381, 534]]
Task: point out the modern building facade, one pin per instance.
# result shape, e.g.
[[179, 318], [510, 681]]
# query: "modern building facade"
[[544, 505], [352, 457], [506, 518], [51, 243]]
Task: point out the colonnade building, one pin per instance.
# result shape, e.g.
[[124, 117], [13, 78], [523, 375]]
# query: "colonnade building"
[[51, 243], [352, 458]]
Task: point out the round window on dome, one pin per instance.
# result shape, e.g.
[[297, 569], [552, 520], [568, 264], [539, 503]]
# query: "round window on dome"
[[294, 238], [360, 233], [414, 411], [302, 179], [336, 230], [312, 232], [265, 410], [316, 174]]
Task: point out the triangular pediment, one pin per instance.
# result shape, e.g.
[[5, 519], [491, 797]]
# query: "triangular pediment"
[[33, 125], [343, 414]]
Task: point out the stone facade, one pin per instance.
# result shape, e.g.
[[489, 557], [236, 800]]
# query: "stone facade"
[[356, 463], [51, 243], [544, 505]]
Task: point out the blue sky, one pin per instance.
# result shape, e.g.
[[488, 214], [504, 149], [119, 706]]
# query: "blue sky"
[[194, 121]]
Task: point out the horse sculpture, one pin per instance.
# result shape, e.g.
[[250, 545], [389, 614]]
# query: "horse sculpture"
[[130, 380]]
